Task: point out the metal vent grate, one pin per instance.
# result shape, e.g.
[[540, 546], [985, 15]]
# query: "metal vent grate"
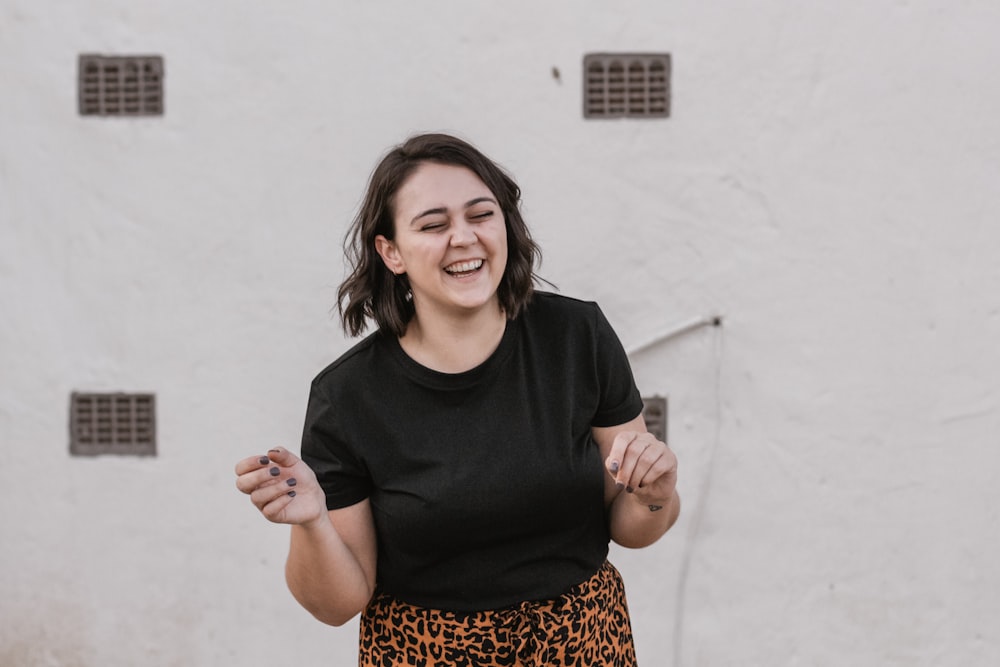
[[654, 412], [626, 85], [112, 424], [120, 85]]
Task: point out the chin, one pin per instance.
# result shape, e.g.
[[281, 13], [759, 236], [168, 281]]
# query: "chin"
[[477, 302]]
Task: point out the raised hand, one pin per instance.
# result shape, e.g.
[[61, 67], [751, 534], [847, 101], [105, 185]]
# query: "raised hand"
[[282, 487], [643, 466]]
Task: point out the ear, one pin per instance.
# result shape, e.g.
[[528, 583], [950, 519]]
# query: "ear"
[[389, 253]]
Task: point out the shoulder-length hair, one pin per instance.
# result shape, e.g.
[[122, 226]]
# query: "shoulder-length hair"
[[372, 290]]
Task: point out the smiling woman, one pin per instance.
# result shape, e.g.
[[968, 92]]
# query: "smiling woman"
[[450, 241], [465, 466], [373, 292]]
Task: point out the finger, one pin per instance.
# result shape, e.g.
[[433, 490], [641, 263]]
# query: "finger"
[[663, 464], [633, 455], [647, 467], [283, 457], [265, 475], [616, 456], [251, 463], [274, 508], [263, 496]]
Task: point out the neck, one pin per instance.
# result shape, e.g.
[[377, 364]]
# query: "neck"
[[454, 344]]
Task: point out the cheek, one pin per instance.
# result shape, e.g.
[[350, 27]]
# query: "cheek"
[[503, 242], [502, 237], [425, 255]]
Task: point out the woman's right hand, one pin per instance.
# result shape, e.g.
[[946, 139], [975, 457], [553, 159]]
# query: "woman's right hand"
[[282, 487]]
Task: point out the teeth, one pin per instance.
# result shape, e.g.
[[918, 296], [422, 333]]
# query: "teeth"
[[463, 267]]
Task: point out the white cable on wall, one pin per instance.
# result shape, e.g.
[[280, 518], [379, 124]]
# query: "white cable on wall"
[[679, 330], [694, 528]]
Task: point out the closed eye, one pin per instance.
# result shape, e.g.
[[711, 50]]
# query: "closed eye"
[[481, 216]]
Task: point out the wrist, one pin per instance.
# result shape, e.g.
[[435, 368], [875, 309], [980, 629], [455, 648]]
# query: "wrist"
[[317, 523]]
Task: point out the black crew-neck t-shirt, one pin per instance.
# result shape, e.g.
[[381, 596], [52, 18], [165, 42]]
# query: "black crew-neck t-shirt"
[[486, 486]]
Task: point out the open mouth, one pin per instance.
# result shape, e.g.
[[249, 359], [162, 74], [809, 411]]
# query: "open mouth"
[[464, 268]]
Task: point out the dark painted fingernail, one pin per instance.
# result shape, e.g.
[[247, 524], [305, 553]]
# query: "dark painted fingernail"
[[274, 471], [614, 466], [620, 485], [291, 494], [629, 489], [291, 481], [263, 460]]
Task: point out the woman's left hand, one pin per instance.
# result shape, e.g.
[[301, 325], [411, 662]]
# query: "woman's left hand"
[[643, 466]]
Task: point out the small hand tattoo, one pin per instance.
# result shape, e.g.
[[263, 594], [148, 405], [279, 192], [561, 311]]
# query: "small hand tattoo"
[[655, 508]]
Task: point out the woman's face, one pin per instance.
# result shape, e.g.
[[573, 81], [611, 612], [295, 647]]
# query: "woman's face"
[[451, 240]]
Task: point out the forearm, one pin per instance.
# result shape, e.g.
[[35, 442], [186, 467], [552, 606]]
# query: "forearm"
[[636, 523], [324, 575]]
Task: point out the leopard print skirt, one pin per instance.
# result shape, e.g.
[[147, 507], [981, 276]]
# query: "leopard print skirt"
[[587, 626]]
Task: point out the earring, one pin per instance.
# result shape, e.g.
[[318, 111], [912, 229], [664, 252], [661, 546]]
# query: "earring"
[[405, 282]]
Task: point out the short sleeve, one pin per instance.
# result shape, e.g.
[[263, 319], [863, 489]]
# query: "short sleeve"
[[342, 475], [619, 400]]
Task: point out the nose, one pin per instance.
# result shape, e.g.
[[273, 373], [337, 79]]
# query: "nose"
[[463, 234]]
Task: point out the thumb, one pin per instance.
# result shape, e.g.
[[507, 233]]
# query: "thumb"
[[282, 457]]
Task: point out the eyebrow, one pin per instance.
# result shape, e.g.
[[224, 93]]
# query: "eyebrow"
[[443, 210]]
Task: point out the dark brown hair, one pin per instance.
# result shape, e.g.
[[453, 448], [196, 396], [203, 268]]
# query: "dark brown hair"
[[372, 290]]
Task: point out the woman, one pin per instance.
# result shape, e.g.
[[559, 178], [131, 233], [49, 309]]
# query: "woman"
[[465, 466]]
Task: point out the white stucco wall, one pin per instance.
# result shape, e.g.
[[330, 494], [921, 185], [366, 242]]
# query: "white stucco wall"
[[828, 182]]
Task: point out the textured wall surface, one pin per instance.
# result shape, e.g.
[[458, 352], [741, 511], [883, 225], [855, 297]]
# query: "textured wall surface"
[[828, 183]]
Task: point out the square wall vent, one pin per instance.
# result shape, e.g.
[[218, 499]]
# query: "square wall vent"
[[120, 85], [654, 412], [112, 424], [626, 85]]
